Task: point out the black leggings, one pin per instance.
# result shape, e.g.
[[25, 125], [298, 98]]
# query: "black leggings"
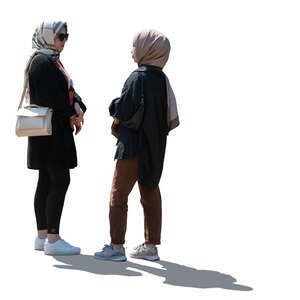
[[49, 198]]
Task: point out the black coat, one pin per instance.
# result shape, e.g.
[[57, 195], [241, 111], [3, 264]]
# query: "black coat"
[[149, 142], [48, 87]]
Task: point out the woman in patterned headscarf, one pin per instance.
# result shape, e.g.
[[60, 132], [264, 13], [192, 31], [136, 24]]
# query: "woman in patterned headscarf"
[[48, 84], [146, 112]]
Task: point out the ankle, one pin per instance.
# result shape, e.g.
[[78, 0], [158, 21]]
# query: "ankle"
[[42, 234], [52, 238], [118, 246]]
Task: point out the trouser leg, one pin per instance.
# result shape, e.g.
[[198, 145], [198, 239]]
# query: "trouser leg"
[[40, 199], [59, 183], [151, 202], [125, 176]]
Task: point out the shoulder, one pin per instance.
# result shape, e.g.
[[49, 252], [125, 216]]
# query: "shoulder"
[[41, 61], [135, 75], [42, 67], [133, 79]]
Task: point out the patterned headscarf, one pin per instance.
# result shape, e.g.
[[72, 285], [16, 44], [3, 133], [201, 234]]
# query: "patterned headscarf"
[[43, 41], [44, 36], [153, 48]]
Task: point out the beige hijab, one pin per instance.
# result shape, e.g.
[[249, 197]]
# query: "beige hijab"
[[153, 48]]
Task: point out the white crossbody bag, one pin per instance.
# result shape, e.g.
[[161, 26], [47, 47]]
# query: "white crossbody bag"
[[33, 120]]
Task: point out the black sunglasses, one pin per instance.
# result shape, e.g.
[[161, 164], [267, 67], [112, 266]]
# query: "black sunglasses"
[[62, 36]]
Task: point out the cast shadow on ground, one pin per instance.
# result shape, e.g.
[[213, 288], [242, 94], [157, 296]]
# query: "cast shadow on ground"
[[174, 274]]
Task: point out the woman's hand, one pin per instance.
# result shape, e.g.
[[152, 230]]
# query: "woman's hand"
[[76, 122], [78, 125], [79, 120], [72, 121], [79, 112]]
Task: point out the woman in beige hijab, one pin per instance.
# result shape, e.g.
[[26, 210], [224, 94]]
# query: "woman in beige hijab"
[[143, 117]]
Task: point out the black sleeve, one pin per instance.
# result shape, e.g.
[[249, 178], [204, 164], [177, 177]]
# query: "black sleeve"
[[125, 107], [77, 99], [49, 93]]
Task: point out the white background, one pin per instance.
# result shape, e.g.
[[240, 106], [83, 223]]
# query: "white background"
[[230, 184]]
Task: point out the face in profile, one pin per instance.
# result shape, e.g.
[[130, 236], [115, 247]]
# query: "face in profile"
[[133, 54], [61, 39]]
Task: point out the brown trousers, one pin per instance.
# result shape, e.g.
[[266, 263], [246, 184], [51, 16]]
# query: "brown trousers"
[[125, 177]]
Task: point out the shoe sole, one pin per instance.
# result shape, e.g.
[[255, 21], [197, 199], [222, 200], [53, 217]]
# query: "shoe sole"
[[61, 254], [38, 249], [117, 258], [150, 258]]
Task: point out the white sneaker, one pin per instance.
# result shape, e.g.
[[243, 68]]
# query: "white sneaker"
[[144, 252], [39, 244], [60, 247], [109, 252]]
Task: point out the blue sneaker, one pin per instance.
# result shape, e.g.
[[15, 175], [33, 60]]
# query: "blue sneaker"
[[109, 252]]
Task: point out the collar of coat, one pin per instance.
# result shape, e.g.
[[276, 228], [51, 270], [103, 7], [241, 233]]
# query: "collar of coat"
[[148, 68]]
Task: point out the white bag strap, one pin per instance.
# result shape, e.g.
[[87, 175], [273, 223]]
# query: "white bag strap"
[[23, 94], [25, 85]]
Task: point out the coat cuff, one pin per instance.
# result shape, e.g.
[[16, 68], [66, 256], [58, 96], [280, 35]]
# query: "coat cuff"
[[113, 109], [81, 104], [78, 100]]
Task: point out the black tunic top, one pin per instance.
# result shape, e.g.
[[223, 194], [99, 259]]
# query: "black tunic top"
[[48, 87], [149, 142]]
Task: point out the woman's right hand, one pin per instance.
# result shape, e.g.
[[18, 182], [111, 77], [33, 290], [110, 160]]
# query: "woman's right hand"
[[79, 112]]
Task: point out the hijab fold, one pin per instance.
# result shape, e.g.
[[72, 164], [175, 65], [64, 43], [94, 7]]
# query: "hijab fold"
[[153, 48]]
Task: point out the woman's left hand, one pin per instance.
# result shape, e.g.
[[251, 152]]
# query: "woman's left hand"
[[78, 125]]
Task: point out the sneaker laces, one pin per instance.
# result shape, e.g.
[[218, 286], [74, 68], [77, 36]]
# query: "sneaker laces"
[[139, 247], [108, 246]]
